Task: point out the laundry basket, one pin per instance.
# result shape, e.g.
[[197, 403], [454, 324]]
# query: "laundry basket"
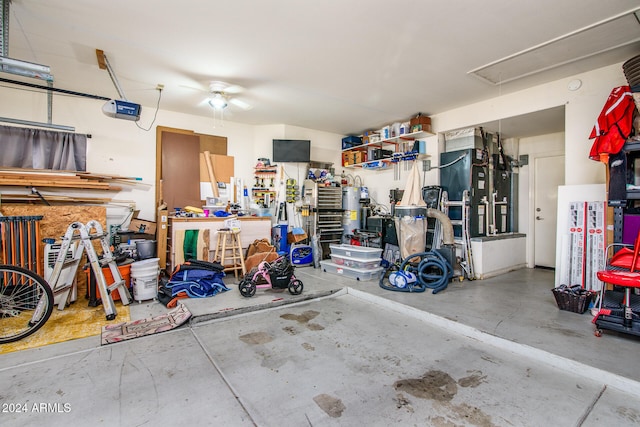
[[574, 298]]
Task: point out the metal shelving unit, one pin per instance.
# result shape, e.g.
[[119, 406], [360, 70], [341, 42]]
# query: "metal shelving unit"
[[326, 211]]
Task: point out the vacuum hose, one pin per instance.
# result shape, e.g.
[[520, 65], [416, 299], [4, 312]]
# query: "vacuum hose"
[[432, 272]]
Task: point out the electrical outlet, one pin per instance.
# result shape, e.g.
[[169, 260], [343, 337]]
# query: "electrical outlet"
[[159, 86], [426, 165]]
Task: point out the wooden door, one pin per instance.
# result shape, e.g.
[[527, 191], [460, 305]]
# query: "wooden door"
[[178, 165], [180, 170]]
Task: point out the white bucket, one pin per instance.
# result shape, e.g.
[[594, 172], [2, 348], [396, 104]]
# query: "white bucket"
[[144, 279]]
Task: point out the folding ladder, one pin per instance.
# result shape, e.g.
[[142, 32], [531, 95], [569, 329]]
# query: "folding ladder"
[[64, 271], [466, 262]]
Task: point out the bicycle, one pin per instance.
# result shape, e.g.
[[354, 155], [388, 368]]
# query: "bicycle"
[[26, 303]]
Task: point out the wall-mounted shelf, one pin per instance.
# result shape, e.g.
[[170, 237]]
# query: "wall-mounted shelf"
[[391, 141], [393, 146]]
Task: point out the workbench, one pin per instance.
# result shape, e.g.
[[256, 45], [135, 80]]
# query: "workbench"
[[252, 228]]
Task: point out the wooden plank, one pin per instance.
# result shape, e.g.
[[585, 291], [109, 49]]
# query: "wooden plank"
[[161, 236], [212, 176], [59, 199], [39, 176], [63, 175], [102, 63], [60, 184], [92, 175]]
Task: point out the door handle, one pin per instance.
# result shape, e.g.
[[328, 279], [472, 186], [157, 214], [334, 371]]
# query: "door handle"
[[539, 218]]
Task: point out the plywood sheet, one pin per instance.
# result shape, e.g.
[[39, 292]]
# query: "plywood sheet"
[[56, 220], [223, 168], [180, 177]]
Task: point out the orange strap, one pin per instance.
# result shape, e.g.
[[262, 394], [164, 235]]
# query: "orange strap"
[[174, 302]]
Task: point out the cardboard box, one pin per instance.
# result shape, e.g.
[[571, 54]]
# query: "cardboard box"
[[347, 158], [359, 157], [420, 120], [595, 232], [463, 139], [420, 124], [142, 226], [296, 238]]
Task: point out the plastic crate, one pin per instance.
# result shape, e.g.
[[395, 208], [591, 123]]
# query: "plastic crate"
[[363, 263], [351, 141], [353, 273], [362, 252]]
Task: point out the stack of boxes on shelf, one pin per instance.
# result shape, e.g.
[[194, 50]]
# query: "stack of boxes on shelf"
[[356, 262], [352, 157], [396, 138]]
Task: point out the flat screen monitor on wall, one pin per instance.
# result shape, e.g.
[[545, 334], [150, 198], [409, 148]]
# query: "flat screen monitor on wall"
[[291, 151]]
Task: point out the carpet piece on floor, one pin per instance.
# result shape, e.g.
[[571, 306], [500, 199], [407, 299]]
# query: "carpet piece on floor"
[[149, 326]]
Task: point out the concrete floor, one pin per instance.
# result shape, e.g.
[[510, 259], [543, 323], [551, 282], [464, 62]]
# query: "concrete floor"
[[495, 352]]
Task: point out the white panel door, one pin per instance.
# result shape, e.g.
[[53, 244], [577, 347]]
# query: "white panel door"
[[549, 175]]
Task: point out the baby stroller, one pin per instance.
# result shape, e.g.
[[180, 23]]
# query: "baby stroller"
[[275, 275]]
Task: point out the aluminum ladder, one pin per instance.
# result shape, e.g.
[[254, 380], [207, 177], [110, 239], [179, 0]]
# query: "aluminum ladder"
[[466, 261], [65, 268]]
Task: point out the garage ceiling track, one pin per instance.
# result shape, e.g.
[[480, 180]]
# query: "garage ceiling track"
[[601, 37]]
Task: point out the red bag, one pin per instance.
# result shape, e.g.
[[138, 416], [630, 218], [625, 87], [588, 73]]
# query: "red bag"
[[614, 124]]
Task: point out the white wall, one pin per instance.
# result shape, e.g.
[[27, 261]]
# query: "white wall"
[[119, 147], [581, 110]]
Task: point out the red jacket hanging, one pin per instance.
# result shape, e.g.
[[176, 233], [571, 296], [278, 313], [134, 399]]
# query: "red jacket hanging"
[[614, 124]]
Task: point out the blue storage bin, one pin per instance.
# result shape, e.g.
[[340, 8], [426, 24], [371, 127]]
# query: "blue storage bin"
[[351, 141]]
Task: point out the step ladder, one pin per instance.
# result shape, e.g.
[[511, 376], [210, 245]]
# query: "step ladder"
[[464, 242], [78, 237]]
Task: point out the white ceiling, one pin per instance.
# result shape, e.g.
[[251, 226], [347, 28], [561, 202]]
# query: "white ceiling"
[[339, 66]]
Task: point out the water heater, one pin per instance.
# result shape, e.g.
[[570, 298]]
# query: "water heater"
[[351, 209]]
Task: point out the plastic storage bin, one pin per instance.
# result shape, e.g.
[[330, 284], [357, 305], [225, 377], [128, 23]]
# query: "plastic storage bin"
[[353, 273], [361, 252], [125, 272], [346, 261]]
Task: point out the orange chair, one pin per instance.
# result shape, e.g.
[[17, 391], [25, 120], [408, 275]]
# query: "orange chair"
[[622, 316]]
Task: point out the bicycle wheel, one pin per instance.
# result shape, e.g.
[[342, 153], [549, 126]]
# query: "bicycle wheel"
[[26, 302]]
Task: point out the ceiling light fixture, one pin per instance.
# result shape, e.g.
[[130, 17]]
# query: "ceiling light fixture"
[[218, 101]]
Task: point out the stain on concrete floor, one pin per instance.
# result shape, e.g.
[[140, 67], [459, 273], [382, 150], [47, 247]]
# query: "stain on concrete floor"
[[329, 404], [433, 385], [441, 388], [256, 338], [304, 319]]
